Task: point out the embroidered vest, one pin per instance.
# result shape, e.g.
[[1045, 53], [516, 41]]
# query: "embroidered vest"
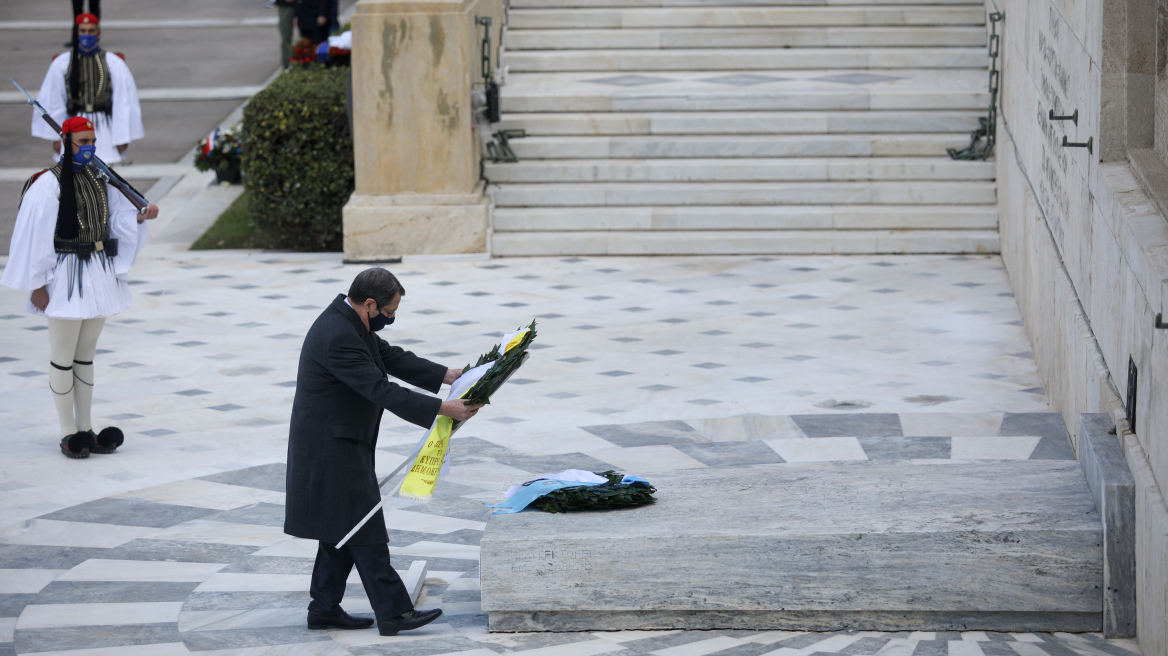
[[96, 92], [92, 211]]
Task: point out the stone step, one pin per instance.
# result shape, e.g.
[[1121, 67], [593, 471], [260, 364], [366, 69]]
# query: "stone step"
[[744, 37], [582, 4], [743, 59], [727, 218], [744, 242], [601, 194], [995, 546], [738, 146], [803, 90], [741, 123], [792, 169], [738, 16]]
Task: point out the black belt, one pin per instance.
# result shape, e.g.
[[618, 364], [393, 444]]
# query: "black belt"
[[84, 249], [79, 108]]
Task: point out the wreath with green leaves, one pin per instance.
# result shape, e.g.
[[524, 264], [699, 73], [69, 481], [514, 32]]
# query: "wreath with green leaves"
[[605, 496], [505, 365]]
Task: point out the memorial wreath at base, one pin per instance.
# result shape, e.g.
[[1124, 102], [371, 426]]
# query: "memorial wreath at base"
[[574, 489], [613, 494]]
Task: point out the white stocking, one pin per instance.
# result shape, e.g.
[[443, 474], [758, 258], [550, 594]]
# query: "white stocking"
[[83, 371], [63, 334]]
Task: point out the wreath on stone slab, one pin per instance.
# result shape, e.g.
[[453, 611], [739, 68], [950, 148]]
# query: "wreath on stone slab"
[[605, 496]]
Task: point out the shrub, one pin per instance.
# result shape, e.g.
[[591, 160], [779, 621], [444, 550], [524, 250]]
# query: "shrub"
[[298, 157]]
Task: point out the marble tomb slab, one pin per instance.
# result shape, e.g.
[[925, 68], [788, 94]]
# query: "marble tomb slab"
[[1003, 546]]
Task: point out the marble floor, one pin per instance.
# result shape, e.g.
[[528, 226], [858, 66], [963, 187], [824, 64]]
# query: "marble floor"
[[173, 544]]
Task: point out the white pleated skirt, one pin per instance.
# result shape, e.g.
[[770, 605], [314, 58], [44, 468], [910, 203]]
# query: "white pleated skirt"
[[90, 292]]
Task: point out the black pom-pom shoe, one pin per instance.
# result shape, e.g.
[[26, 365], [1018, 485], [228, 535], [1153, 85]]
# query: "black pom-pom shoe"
[[108, 440], [77, 445]]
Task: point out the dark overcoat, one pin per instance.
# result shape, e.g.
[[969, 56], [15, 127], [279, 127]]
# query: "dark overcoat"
[[306, 12], [341, 391]]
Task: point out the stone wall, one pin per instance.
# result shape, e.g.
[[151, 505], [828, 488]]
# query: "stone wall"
[[1085, 243], [1161, 120]]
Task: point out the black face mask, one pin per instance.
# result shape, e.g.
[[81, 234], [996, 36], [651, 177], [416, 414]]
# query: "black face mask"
[[379, 321]]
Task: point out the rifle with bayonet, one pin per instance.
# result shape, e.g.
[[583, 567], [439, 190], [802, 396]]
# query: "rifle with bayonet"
[[103, 170]]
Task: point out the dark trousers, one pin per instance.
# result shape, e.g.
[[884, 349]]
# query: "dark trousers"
[[387, 593], [311, 31]]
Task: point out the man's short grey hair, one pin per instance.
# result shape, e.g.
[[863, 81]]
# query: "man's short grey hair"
[[377, 284]]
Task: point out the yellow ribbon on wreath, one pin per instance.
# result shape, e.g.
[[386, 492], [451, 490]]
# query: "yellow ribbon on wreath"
[[433, 449]]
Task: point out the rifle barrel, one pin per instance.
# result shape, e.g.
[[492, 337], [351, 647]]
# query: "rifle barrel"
[[136, 199]]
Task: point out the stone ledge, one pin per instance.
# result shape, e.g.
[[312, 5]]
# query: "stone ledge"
[[1152, 172], [1113, 488], [511, 622]]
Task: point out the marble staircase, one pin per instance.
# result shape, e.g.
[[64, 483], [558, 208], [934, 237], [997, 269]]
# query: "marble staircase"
[[743, 126]]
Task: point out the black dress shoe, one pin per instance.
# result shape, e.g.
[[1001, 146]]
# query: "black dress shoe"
[[343, 621], [411, 619]]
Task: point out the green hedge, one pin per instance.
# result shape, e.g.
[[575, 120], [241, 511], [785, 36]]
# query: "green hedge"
[[298, 158]]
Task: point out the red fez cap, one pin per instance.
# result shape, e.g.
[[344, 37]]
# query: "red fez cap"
[[76, 124], [86, 19]]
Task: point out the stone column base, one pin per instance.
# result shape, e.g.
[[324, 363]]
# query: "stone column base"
[[379, 228]]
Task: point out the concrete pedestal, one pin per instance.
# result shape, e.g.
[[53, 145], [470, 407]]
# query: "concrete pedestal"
[[416, 155], [1005, 546], [377, 228]]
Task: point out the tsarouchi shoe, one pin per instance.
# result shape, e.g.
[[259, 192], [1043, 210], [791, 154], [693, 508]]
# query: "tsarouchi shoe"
[[107, 441], [77, 445], [411, 619], [317, 621]]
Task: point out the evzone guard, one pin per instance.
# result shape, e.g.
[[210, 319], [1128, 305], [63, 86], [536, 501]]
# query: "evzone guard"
[[74, 241], [90, 82]]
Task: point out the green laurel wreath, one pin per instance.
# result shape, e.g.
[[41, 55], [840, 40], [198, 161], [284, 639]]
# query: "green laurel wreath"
[[596, 497], [504, 366]]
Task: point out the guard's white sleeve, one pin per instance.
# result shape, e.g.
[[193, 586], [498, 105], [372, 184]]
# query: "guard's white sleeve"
[[31, 256], [126, 120], [52, 98], [124, 227]]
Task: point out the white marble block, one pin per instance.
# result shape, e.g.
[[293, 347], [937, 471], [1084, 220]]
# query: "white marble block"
[[1006, 546]]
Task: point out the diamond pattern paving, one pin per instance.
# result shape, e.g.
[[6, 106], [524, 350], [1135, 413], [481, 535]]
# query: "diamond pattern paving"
[[193, 500]]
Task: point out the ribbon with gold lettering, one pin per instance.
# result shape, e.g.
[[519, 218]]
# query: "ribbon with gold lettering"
[[433, 450]]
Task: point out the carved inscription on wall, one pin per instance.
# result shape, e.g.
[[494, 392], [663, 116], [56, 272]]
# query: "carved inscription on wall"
[[1054, 80]]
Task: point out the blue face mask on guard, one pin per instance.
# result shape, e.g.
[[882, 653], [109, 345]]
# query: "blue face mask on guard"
[[379, 321], [83, 156], [87, 42]]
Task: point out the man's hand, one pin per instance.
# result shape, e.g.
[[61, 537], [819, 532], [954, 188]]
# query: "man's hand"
[[151, 212], [458, 409], [40, 298], [322, 20], [451, 376], [57, 146]]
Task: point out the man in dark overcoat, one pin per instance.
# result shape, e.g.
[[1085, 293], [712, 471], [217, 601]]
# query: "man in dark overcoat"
[[341, 392], [312, 19]]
